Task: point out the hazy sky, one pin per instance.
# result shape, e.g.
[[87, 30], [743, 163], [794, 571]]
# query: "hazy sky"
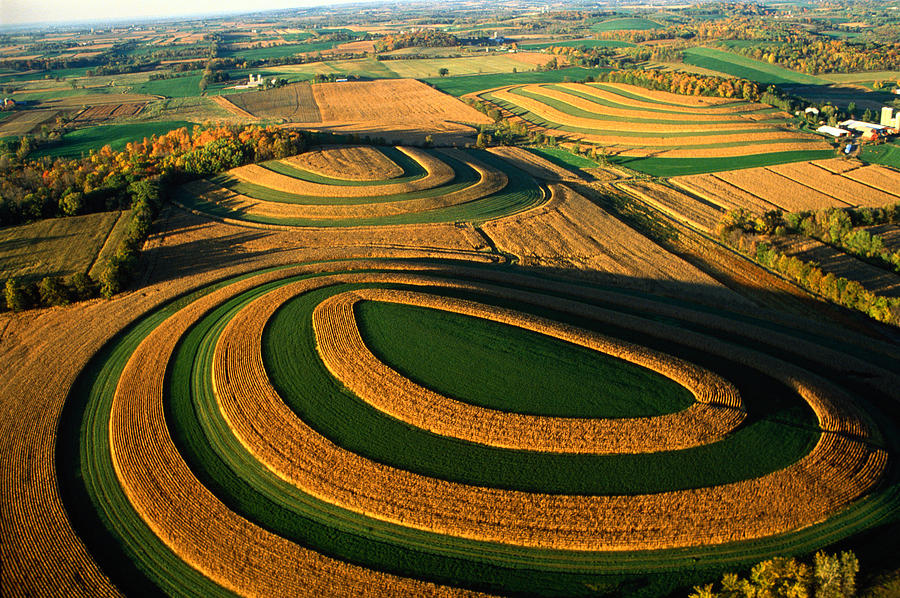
[[38, 11]]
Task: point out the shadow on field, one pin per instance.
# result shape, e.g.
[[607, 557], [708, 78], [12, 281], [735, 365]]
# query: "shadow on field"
[[200, 252]]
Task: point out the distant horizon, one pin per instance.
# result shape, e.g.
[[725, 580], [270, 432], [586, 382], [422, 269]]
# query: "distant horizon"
[[27, 13]]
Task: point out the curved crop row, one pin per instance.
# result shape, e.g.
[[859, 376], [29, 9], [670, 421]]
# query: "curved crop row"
[[718, 409], [439, 173], [354, 163], [252, 495]]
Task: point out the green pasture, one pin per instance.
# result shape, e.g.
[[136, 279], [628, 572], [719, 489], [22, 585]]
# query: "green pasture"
[[82, 141], [736, 65], [626, 24], [511, 369], [887, 154], [667, 167], [563, 158]]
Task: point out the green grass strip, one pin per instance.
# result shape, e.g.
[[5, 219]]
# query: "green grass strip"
[[512, 369], [765, 444], [118, 539], [737, 65], [465, 84], [465, 176], [412, 171], [667, 167], [521, 193]]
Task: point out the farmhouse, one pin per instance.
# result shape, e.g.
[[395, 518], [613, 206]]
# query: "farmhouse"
[[833, 131]]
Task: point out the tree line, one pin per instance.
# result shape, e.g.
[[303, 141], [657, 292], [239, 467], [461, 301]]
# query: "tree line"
[[748, 234], [828, 576]]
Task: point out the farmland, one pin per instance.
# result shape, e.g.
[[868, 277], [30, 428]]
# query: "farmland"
[[438, 186], [634, 123], [431, 309], [58, 247], [748, 68], [83, 141], [796, 187]]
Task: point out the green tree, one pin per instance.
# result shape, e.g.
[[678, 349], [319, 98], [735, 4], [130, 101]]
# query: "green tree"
[[17, 296], [53, 292], [443, 71], [71, 203], [82, 286]]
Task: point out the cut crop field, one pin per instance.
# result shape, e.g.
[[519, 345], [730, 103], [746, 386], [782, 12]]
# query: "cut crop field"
[[491, 63], [463, 85], [796, 187], [634, 123], [417, 186], [737, 65], [386, 108], [58, 246], [226, 442]]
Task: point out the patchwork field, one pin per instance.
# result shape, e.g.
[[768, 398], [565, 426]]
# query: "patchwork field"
[[796, 187], [388, 108], [391, 186], [259, 379], [634, 123]]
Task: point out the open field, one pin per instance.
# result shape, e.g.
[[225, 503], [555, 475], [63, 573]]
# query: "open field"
[[796, 187], [57, 247], [24, 122], [631, 122], [393, 106], [441, 186], [490, 63], [737, 65], [885, 153], [460, 86], [82, 141]]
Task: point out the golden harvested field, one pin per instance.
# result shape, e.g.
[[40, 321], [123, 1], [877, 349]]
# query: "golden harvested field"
[[355, 163], [797, 186], [878, 177], [26, 121], [665, 96], [717, 192], [572, 232], [877, 280], [683, 207], [56, 247], [840, 187], [532, 163], [295, 103], [779, 190], [391, 101]]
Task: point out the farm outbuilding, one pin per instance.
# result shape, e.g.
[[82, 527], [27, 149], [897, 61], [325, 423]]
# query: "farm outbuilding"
[[833, 131]]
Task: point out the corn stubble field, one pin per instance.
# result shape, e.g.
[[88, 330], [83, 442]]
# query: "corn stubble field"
[[279, 410]]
